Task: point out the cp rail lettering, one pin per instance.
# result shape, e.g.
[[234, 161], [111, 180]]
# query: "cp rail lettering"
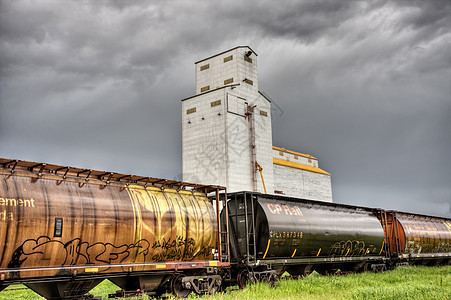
[[289, 210]]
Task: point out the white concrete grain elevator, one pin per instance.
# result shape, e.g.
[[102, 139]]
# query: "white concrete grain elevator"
[[227, 134]]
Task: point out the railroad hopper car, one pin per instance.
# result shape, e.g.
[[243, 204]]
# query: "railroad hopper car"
[[63, 230], [271, 234], [417, 239]]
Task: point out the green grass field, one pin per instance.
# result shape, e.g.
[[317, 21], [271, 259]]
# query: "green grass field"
[[401, 283]]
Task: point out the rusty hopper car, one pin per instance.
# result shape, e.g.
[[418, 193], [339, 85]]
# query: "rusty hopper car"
[[417, 239], [63, 230], [271, 234]]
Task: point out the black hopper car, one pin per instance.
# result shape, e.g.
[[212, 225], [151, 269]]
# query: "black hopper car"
[[270, 235]]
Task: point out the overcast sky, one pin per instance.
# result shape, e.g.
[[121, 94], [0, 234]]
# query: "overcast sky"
[[363, 86]]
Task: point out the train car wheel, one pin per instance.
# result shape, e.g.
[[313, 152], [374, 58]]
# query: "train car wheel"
[[272, 280], [177, 287], [217, 287], [243, 278]]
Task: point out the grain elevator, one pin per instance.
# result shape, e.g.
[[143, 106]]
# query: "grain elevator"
[[227, 134]]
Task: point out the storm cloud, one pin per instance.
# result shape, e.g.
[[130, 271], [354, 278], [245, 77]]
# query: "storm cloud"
[[363, 86]]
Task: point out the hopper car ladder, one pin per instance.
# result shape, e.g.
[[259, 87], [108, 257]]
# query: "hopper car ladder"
[[391, 233], [396, 231], [250, 230], [224, 244], [387, 241], [243, 212]]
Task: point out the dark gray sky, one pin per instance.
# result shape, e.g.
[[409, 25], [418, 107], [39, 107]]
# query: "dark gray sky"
[[363, 86]]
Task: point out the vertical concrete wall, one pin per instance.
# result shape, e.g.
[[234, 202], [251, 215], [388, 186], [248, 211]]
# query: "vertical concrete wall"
[[216, 139], [203, 139], [239, 140], [230, 67], [302, 184]]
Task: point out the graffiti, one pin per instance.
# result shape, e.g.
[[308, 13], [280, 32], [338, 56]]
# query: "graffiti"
[[188, 253], [351, 248], [178, 242], [421, 246], [180, 226], [427, 236], [74, 252], [204, 252], [443, 247], [34, 252], [179, 249], [164, 226], [172, 249]]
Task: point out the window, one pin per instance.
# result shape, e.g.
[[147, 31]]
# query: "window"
[[296, 157], [191, 111], [228, 58], [248, 81], [205, 88], [263, 113], [228, 81], [204, 67], [280, 153], [215, 103], [248, 59], [309, 160]]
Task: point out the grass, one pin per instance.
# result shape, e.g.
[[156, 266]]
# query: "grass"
[[414, 282], [402, 283]]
